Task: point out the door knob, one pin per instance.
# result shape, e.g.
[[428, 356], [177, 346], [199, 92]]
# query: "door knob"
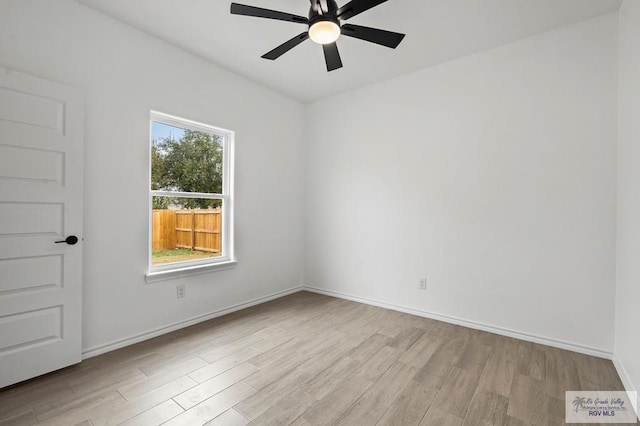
[[71, 240]]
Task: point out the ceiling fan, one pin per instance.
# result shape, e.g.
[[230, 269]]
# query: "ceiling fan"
[[324, 27]]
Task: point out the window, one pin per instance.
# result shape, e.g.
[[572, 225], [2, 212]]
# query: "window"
[[191, 197]]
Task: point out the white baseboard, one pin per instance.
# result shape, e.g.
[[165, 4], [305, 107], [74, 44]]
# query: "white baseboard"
[[97, 350], [470, 324], [628, 384]]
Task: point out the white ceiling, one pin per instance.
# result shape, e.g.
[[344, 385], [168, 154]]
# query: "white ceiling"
[[437, 31]]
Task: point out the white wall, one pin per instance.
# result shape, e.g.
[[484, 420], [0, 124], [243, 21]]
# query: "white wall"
[[627, 347], [124, 74], [494, 176]]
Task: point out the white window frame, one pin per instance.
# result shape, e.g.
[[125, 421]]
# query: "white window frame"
[[227, 258]]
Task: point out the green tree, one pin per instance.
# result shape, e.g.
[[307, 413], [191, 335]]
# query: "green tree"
[[157, 176], [192, 163]]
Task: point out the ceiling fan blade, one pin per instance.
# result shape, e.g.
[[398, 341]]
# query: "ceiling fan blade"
[[356, 7], [286, 46], [258, 12], [374, 35], [332, 56]]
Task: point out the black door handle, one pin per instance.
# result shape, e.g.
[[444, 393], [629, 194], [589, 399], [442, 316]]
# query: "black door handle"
[[71, 240]]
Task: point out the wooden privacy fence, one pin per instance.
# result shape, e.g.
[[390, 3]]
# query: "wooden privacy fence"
[[193, 229]]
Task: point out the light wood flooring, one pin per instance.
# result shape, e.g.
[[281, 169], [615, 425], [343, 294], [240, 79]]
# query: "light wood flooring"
[[310, 359]]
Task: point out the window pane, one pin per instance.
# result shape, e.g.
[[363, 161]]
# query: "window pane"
[[186, 229], [185, 160]]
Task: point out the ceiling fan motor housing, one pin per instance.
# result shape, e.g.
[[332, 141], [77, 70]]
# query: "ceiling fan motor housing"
[[316, 13]]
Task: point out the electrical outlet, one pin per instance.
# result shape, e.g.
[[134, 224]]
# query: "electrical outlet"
[[422, 284], [181, 291]]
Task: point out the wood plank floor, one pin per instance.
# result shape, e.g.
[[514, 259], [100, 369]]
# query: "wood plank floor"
[[310, 359]]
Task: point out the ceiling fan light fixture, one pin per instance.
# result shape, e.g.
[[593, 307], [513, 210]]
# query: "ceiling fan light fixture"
[[324, 32]]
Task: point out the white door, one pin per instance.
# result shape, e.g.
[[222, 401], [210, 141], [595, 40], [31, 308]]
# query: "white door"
[[41, 125]]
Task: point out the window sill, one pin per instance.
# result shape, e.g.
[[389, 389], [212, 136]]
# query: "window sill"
[[189, 270]]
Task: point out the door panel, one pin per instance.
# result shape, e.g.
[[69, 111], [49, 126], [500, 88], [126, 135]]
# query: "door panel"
[[26, 329], [30, 219], [41, 124], [31, 109], [30, 274], [30, 164]]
